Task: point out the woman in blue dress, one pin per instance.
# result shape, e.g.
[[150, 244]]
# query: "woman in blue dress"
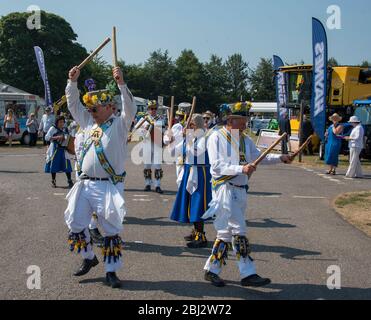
[[194, 193], [333, 145], [57, 159]]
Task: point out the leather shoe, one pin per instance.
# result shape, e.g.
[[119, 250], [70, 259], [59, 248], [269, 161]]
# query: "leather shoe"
[[86, 266], [255, 281], [112, 280], [195, 244], [159, 190], [147, 188], [214, 279]]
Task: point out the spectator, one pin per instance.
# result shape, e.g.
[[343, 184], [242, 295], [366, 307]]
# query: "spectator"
[[356, 144], [10, 123], [307, 131], [333, 145], [46, 123], [285, 127], [32, 125]]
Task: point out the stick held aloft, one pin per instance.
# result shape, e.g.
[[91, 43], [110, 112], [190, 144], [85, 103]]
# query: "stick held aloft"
[[93, 54]]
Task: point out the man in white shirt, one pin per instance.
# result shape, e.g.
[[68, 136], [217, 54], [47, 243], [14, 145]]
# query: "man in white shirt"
[[231, 153], [100, 186], [46, 123], [356, 144]]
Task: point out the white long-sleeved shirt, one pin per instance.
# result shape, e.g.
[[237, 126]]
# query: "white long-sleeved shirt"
[[357, 137], [113, 140], [225, 161], [46, 122]]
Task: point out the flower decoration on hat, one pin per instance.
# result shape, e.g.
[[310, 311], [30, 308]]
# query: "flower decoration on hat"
[[152, 104], [241, 108], [93, 98]]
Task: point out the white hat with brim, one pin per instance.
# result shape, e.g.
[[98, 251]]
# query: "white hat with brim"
[[354, 119]]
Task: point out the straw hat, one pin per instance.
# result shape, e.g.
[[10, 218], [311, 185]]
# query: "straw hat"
[[335, 117], [354, 119]]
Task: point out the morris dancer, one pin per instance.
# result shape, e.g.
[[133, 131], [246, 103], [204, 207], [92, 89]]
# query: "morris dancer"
[[194, 193], [231, 152], [57, 157], [173, 137], [100, 188]]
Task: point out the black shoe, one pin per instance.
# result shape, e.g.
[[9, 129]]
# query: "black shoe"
[[255, 281], [159, 190], [70, 184], [147, 188], [196, 244], [190, 237], [112, 280], [86, 266], [96, 237], [214, 279], [54, 184]]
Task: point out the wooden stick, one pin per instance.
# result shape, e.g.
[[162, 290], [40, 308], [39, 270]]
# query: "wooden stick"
[[269, 150], [93, 54], [171, 117], [137, 127], [192, 112], [293, 156], [114, 47]]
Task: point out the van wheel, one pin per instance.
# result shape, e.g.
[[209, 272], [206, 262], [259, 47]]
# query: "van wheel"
[[25, 140]]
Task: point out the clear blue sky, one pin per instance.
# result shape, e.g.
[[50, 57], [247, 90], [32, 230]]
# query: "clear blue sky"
[[254, 28]]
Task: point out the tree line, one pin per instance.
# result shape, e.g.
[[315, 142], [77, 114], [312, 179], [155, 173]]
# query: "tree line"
[[213, 82]]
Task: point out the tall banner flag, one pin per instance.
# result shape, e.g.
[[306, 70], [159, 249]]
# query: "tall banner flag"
[[319, 87], [281, 90], [41, 62]]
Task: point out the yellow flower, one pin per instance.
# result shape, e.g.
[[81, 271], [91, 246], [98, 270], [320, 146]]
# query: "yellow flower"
[[238, 106], [103, 97], [86, 99], [94, 99]]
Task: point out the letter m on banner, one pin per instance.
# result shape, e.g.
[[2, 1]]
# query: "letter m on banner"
[[319, 95], [281, 90]]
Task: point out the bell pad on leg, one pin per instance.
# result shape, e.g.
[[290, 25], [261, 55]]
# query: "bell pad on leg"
[[112, 249], [159, 173], [147, 174], [242, 246], [220, 252], [77, 242]]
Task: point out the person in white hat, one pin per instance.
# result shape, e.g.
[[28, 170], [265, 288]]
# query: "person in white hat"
[[356, 144]]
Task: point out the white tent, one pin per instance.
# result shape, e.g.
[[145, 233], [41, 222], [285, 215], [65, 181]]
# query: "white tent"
[[264, 107]]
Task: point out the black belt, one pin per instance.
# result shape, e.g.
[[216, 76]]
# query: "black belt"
[[246, 187], [93, 179]]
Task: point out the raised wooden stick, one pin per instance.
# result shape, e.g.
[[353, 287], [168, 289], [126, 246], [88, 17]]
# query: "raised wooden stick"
[[192, 112], [269, 150], [293, 156], [93, 54], [114, 47], [137, 127], [171, 114]]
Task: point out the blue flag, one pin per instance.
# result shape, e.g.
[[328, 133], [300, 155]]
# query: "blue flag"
[[281, 89], [41, 62], [319, 87]]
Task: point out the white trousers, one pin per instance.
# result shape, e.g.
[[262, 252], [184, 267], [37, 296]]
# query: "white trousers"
[[92, 199], [150, 163], [355, 168], [235, 225]]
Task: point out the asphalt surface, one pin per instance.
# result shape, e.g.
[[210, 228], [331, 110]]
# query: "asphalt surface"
[[295, 233]]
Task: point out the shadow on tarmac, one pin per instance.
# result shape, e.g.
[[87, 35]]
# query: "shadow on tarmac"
[[199, 290]]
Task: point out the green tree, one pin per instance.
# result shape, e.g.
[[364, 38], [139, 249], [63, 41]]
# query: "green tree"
[[160, 70], [189, 78], [217, 79], [366, 64], [262, 81], [237, 78], [18, 66], [332, 62]]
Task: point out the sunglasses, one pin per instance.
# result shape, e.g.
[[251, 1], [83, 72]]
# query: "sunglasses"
[[207, 119]]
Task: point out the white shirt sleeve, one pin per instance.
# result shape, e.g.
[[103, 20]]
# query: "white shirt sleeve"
[[217, 159], [78, 111], [50, 134], [129, 108]]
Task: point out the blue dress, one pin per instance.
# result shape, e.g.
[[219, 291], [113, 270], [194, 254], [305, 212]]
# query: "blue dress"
[[333, 147], [190, 208], [58, 162]]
